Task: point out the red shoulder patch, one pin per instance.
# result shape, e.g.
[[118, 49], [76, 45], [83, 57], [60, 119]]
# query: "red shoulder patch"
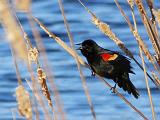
[[105, 56], [108, 57]]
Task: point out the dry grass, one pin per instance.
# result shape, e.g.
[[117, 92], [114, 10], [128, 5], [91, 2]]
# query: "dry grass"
[[77, 61], [58, 102], [24, 104]]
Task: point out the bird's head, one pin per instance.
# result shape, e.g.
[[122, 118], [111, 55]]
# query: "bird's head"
[[88, 47]]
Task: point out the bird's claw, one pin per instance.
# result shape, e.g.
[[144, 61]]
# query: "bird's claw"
[[113, 89]]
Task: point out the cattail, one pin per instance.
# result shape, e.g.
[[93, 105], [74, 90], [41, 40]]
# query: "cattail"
[[144, 49], [107, 31], [24, 104], [33, 55], [42, 80], [143, 46]]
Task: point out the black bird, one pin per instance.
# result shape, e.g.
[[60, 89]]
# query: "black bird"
[[109, 64]]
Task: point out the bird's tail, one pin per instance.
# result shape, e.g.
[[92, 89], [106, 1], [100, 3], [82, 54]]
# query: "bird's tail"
[[125, 83]]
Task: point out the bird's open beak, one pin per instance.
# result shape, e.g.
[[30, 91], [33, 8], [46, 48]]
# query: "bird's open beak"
[[80, 48]]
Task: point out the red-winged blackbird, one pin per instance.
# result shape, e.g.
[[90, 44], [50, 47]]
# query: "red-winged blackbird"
[[109, 64]]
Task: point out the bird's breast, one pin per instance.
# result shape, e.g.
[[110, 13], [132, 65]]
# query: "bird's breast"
[[100, 67]]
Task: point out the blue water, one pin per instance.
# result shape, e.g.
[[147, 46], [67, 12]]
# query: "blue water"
[[107, 105]]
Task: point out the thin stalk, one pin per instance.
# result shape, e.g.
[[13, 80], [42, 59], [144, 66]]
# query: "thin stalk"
[[123, 98], [40, 46], [36, 94], [147, 85], [37, 114], [44, 86], [78, 64], [150, 5], [58, 40], [16, 67], [12, 30], [153, 21], [143, 65], [34, 89], [134, 20]]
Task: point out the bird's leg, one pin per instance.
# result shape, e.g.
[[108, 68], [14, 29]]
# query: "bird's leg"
[[113, 88], [92, 73]]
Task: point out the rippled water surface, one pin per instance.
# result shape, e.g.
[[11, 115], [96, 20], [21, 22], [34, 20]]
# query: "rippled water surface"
[[107, 105]]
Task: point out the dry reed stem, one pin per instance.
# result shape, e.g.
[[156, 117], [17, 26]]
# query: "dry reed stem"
[[22, 5], [153, 21], [35, 91], [123, 98], [126, 18], [145, 49], [70, 51], [33, 55], [58, 102], [147, 85], [35, 108], [59, 41], [150, 5], [139, 40], [16, 67], [76, 58], [26, 38], [37, 95], [142, 44], [151, 31], [12, 29], [146, 52], [24, 104], [107, 31]]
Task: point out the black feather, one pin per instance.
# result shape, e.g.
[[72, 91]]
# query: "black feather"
[[124, 82]]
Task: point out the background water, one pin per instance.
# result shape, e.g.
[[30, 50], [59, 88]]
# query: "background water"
[[107, 105]]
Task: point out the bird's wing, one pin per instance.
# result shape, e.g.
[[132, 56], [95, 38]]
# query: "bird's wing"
[[108, 55], [117, 60]]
